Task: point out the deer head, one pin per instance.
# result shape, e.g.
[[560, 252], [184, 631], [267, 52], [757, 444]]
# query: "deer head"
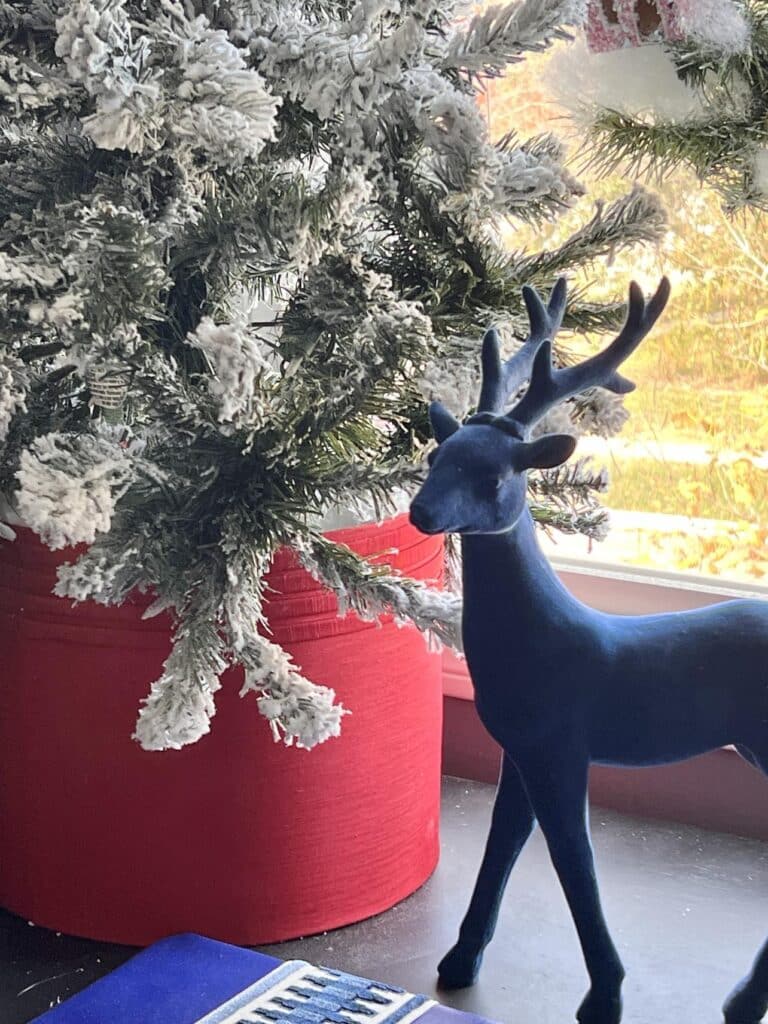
[[477, 475]]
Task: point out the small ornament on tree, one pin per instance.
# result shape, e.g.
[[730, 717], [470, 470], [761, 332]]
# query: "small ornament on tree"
[[108, 385]]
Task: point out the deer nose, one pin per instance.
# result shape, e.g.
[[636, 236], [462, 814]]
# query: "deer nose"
[[421, 517]]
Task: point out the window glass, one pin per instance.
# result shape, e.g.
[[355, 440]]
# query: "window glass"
[[689, 470]]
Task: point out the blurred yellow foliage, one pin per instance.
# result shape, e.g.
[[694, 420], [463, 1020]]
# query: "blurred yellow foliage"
[[739, 549]]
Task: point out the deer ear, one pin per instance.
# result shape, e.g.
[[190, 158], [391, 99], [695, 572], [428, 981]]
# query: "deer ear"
[[443, 423], [545, 452]]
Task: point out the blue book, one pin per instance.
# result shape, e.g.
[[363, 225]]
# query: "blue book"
[[187, 979]]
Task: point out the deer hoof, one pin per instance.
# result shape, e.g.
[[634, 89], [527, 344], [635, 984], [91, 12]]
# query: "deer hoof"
[[600, 1008], [744, 1007], [458, 969]]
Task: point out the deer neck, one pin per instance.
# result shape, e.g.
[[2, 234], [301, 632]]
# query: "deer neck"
[[507, 575]]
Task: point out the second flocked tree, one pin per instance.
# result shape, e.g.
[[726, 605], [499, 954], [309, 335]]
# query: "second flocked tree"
[[723, 137], [241, 242]]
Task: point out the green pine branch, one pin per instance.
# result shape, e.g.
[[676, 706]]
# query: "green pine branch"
[[642, 148]]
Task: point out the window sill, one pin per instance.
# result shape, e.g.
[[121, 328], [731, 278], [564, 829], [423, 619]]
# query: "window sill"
[[601, 583]]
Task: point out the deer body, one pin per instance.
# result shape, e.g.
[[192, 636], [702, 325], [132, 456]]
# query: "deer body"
[[560, 685], [634, 690]]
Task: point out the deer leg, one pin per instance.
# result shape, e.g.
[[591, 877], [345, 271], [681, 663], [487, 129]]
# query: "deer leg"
[[511, 825], [748, 1003], [558, 793]]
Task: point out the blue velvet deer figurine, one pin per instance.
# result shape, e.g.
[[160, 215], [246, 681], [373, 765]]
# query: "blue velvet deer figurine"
[[560, 685]]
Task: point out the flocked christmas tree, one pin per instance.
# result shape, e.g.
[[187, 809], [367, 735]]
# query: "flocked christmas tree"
[[720, 130], [241, 242]]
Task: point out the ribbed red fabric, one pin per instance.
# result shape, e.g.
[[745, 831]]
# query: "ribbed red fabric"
[[235, 837]]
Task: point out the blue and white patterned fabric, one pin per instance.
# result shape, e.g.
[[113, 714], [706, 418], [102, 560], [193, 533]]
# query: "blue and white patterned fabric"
[[299, 993], [188, 979]]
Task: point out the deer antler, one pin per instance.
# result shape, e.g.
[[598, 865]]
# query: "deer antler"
[[549, 386], [502, 380]]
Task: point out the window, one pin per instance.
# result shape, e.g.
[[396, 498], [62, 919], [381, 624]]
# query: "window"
[[689, 470]]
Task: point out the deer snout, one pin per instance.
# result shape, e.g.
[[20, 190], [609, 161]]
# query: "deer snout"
[[423, 518]]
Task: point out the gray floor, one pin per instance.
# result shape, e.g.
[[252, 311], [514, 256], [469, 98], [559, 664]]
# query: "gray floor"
[[688, 910]]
